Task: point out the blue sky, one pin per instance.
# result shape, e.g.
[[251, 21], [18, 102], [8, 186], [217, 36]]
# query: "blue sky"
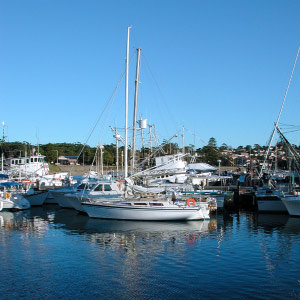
[[220, 68]]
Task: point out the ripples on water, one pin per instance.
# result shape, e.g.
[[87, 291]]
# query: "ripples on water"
[[52, 253]]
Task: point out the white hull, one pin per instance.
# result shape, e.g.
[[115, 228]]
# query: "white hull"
[[75, 199], [38, 198], [172, 213], [269, 200], [292, 204], [57, 196], [16, 202]]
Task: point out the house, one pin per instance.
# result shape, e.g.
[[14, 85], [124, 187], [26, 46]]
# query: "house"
[[67, 160]]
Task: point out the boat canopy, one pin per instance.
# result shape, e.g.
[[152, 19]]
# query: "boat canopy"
[[9, 184], [201, 167]]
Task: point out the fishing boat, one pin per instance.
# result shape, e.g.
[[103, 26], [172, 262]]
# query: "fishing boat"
[[32, 165], [269, 200]]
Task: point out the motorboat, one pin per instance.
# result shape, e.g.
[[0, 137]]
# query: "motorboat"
[[103, 189], [12, 196], [36, 197]]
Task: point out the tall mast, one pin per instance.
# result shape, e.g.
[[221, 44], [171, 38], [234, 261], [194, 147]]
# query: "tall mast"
[[279, 115], [183, 150], [117, 153], [135, 106], [126, 104]]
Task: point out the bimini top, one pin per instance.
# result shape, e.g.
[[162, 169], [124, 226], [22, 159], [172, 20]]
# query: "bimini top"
[[9, 184]]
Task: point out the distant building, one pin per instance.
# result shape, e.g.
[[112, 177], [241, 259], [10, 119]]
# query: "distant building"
[[67, 160]]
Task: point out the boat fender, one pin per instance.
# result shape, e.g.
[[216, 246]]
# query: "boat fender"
[[188, 201], [7, 195]]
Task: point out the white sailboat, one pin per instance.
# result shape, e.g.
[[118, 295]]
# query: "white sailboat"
[[157, 208], [146, 210]]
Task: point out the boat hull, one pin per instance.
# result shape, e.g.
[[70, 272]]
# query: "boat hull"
[[270, 205], [143, 214], [16, 202], [38, 198], [50, 199], [293, 205]]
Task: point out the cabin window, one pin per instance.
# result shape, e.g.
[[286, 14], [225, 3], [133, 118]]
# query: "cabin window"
[[99, 188], [27, 160], [107, 188], [90, 186], [35, 159], [81, 186], [157, 204], [31, 159], [143, 204]]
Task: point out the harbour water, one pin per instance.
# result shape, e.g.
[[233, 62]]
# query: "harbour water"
[[53, 253]]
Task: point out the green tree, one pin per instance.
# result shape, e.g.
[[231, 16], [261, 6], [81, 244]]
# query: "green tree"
[[212, 142]]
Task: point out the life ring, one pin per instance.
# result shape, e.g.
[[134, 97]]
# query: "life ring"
[[7, 195], [190, 200]]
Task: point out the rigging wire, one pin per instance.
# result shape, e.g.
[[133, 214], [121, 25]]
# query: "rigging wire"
[[279, 115], [160, 92], [108, 104]]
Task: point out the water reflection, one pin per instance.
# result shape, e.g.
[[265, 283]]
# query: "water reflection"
[[38, 220], [124, 234], [245, 250]]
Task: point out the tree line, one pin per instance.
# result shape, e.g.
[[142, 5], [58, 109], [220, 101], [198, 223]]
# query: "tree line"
[[209, 153]]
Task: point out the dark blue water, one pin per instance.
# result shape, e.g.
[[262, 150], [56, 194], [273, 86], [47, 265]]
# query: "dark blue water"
[[53, 253]]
